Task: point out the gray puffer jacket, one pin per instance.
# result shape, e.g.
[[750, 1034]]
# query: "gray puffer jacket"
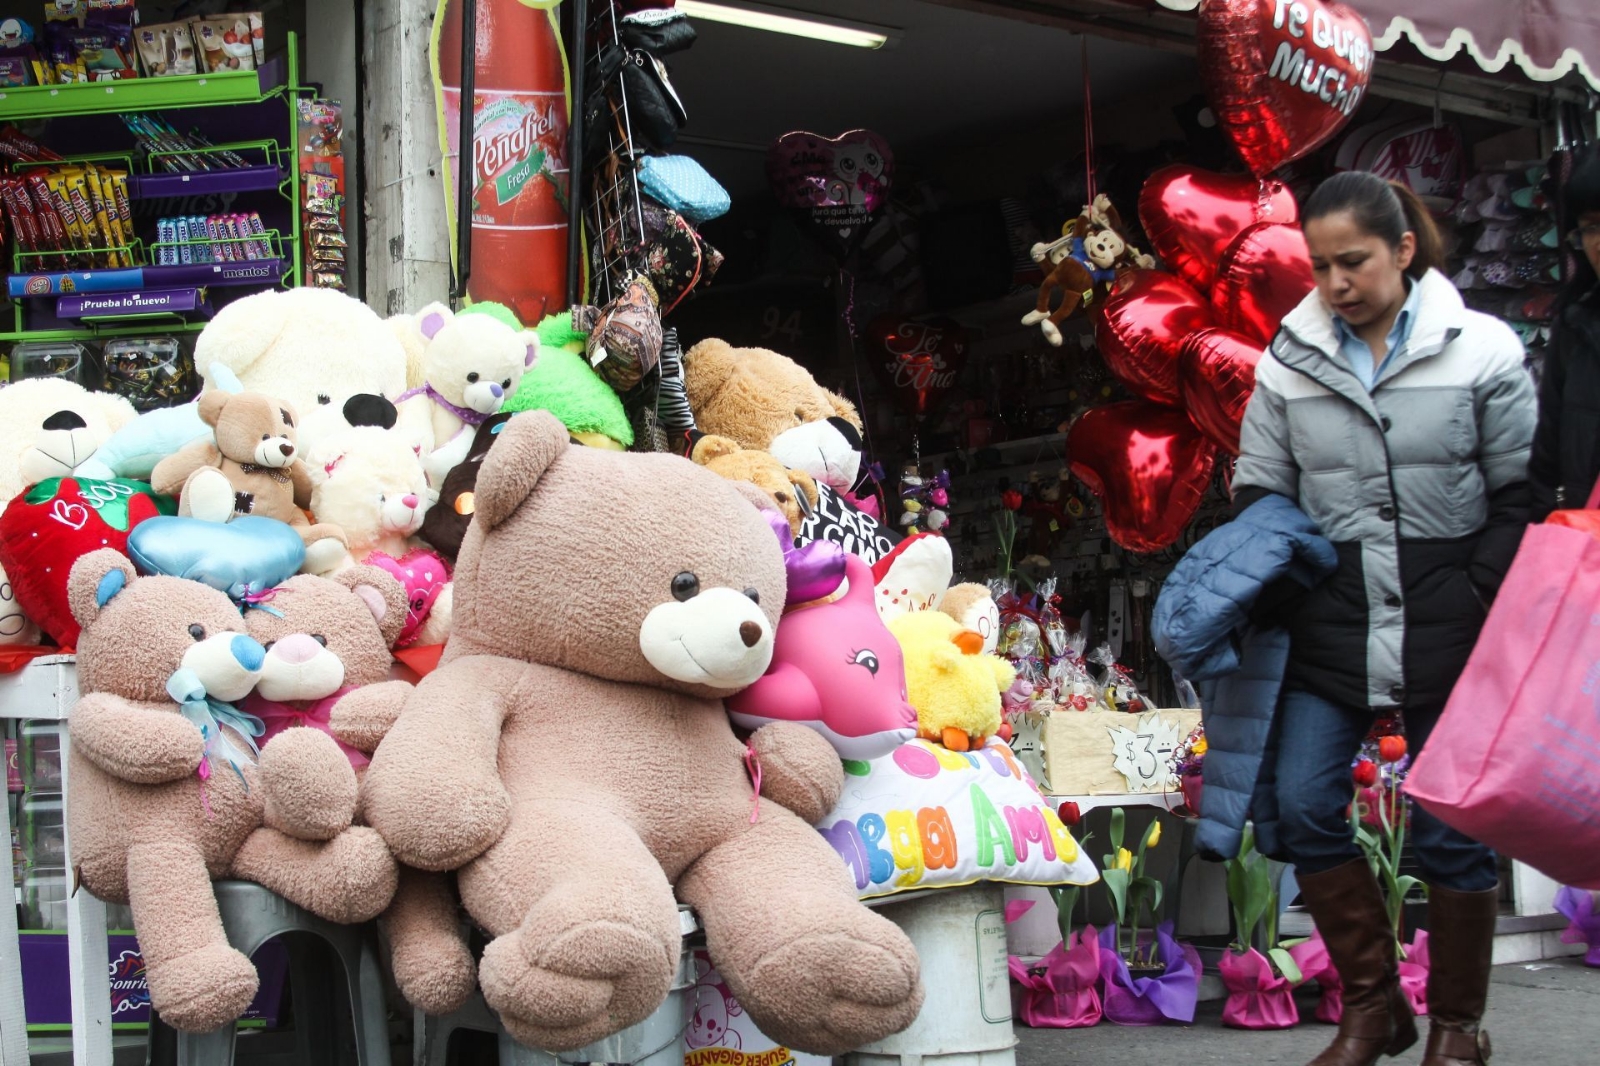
[[1421, 484]]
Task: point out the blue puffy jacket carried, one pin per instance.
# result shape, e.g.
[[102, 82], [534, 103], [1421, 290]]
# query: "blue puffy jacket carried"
[[1203, 629]]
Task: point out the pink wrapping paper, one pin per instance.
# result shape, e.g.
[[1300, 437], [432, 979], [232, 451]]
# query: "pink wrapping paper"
[[1061, 990], [1257, 997], [1414, 974], [1312, 958]]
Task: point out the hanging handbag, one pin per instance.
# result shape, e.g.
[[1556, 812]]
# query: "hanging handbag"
[[659, 31], [676, 259], [624, 343], [682, 184], [655, 112]]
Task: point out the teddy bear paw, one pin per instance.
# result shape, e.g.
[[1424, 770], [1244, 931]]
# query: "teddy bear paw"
[[591, 981], [1033, 318], [830, 991], [436, 977], [203, 990], [209, 496], [355, 879], [326, 556], [309, 786]]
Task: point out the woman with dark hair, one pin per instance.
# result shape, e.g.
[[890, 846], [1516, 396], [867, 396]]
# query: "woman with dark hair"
[[1566, 447], [1399, 421]]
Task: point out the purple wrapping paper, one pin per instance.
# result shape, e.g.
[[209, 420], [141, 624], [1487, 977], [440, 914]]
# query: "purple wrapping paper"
[[1257, 997], [1150, 1000], [1579, 908], [1061, 990]]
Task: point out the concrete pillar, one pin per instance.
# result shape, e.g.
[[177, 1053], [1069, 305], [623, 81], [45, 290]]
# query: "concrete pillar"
[[407, 240]]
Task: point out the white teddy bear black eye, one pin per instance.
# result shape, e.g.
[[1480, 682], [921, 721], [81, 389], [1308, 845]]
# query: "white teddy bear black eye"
[[472, 378], [685, 587], [197, 631], [506, 384]]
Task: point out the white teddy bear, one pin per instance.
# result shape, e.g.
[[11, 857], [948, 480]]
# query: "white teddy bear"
[[370, 481], [329, 355], [472, 364]]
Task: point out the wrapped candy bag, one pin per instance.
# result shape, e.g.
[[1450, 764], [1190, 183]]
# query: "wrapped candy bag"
[[1118, 690]]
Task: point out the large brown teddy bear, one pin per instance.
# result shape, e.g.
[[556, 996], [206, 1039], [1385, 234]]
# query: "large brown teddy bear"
[[572, 759], [168, 794], [252, 466], [768, 402]]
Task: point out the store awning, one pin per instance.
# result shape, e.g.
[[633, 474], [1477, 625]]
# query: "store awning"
[[1545, 39]]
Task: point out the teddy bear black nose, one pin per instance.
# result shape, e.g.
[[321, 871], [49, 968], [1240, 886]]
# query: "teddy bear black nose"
[[286, 448], [65, 420], [750, 633]]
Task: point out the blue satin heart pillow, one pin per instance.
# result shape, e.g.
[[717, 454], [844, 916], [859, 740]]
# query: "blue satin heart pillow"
[[245, 556]]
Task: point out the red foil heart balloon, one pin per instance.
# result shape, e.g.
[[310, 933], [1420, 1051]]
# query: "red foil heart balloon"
[[1263, 275], [1149, 465], [918, 361], [1218, 372], [1141, 327], [1192, 215], [835, 185], [1282, 75]]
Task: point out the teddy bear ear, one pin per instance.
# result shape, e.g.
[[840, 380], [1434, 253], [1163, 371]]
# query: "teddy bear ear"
[[709, 447], [705, 367], [212, 401], [95, 580], [383, 595], [432, 319], [520, 455], [845, 411], [530, 341]]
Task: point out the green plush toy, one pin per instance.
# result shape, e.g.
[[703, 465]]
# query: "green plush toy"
[[563, 383]]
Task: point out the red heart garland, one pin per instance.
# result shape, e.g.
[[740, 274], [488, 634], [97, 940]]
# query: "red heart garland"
[[1263, 275], [1218, 373], [918, 361], [1192, 215], [50, 526], [1149, 465], [1282, 76], [1142, 325]]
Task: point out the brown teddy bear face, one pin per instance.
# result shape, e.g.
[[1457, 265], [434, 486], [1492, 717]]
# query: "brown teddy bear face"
[[793, 491], [752, 395], [324, 634], [140, 631], [681, 589], [251, 428]]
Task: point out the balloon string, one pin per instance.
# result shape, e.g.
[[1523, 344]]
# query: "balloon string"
[[1088, 125], [849, 285]]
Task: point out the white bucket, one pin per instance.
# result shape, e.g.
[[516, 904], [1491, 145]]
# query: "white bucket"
[[960, 935]]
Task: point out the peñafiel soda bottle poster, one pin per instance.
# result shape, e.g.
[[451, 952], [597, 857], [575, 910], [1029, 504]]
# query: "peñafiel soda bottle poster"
[[521, 103]]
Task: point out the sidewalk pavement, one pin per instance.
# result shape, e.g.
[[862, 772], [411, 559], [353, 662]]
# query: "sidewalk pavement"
[[1540, 1014]]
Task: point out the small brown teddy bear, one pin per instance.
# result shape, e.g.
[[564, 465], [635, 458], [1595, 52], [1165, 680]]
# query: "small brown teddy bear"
[[1082, 265], [168, 791], [794, 491], [253, 467], [768, 402], [572, 759]]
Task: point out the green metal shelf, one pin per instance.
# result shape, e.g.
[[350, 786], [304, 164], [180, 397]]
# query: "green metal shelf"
[[133, 94]]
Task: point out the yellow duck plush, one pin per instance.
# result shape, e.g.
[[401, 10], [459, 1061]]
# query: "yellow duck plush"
[[953, 685]]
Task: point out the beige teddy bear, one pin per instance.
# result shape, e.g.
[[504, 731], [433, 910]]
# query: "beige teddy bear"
[[794, 492], [168, 791], [572, 759]]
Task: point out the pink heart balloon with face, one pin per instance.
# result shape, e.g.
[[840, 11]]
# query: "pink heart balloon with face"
[[1217, 370], [835, 185], [424, 575], [1263, 275], [1142, 325], [1148, 464]]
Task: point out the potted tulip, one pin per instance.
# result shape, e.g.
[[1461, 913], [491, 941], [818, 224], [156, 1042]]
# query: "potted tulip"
[[1062, 990], [1260, 983], [1149, 978]]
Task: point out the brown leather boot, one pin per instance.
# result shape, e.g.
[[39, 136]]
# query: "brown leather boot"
[[1347, 905], [1460, 957]]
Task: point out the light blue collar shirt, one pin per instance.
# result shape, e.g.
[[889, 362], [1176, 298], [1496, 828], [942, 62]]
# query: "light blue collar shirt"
[[1355, 350]]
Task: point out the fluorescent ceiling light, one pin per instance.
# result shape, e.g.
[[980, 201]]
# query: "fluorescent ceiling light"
[[777, 20]]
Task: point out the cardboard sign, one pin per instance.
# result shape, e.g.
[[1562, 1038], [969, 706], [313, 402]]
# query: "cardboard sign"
[[838, 522], [1099, 753]]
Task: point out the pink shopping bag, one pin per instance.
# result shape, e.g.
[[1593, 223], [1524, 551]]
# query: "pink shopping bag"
[[1515, 759]]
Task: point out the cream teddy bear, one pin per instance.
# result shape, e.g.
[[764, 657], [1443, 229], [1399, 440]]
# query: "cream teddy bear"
[[472, 365]]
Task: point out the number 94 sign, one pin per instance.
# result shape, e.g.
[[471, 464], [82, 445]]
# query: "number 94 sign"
[[1143, 753]]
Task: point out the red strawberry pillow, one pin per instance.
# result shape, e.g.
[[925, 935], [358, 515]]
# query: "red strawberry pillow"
[[49, 526]]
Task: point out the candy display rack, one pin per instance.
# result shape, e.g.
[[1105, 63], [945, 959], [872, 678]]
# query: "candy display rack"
[[155, 280]]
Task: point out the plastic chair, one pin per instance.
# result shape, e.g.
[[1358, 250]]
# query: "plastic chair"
[[251, 915]]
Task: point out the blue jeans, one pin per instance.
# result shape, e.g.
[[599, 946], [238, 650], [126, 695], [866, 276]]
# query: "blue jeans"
[[1317, 741]]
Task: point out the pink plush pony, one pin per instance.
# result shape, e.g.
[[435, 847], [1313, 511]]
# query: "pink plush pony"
[[836, 669]]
